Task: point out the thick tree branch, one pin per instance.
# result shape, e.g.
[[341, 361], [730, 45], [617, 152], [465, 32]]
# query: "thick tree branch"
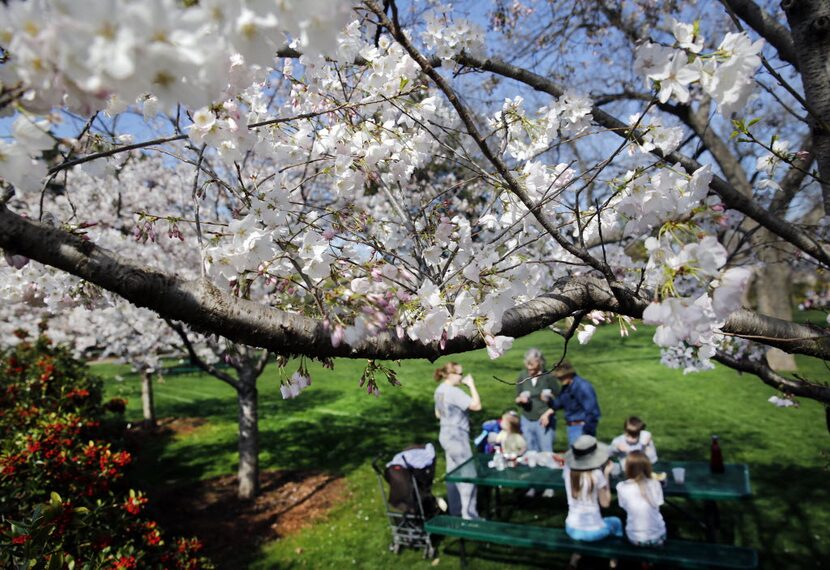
[[810, 24], [208, 309], [790, 337]]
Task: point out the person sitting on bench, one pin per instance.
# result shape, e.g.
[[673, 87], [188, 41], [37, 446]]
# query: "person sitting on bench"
[[640, 497], [586, 474]]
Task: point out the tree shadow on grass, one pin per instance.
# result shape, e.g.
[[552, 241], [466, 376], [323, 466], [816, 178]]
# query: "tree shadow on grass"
[[341, 443], [173, 467], [794, 487]]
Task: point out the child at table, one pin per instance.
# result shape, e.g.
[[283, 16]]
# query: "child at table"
[[634, 438], [586, 474], [510, 437], [640, 497]]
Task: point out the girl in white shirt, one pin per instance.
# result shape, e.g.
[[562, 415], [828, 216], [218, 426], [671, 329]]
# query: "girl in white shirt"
[[586, 484], [640, 497]]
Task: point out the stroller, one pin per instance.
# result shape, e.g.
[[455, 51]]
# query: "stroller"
[[410, 502]]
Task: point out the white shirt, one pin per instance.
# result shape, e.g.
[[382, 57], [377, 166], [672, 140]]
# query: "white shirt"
[[583, 511], [644, 444], [451, 403], [644, 522]]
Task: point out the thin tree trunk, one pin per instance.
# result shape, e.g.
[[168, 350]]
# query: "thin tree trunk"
[[248, 474], [147, 402], [772, 287]]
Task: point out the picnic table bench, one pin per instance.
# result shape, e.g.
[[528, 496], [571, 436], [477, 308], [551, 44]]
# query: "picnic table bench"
[[700, 484], [682, 553]]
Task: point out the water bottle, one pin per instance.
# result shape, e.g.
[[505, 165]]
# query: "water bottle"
[[498, 459], [716, 456]]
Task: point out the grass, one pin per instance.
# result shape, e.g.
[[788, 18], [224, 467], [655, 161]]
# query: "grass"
[[335, 426]]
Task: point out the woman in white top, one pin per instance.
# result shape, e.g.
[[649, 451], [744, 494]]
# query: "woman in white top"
[[640, 497], [586, 485], [452, 406]]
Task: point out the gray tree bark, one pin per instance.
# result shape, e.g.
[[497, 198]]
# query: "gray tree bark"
[[773, 293], [247, 400], [148, 404], [208, 309], [809, 22]]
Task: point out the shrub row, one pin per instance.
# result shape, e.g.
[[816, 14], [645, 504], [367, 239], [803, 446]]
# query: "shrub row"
[[63, 499]]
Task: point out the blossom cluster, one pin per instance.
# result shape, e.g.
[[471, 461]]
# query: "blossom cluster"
[[726, 74]]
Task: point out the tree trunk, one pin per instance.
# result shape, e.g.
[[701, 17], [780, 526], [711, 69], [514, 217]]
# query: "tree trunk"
[[147, 402], [810, 28], [772, 287], [248, 474]]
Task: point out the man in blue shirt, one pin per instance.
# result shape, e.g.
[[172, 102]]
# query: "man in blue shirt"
[[579, 401]]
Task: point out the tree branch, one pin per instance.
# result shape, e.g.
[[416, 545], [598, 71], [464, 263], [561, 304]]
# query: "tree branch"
[[472, 130], [197, 360], [790, 337], [208, 309], [801, 388], [766, 26], [730, 195], [810, 24]]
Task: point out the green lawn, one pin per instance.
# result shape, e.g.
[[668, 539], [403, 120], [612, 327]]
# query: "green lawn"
[[336, 427]]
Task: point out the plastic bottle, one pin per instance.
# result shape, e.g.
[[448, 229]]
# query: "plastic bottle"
[[498, 459], [716, 456]]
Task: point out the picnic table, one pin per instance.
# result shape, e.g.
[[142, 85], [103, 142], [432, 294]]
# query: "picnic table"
[[700, 483]]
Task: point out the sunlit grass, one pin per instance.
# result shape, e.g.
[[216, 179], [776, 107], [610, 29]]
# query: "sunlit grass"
[[335, 426]]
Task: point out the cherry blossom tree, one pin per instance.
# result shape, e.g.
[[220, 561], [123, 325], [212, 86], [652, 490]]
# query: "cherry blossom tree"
[[397, 181], [112, 327]]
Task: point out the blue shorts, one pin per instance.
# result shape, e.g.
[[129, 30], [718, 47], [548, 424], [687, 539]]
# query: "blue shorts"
[[613, 525]]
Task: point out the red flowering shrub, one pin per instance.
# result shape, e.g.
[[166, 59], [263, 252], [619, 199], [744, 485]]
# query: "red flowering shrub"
[[63, 502]]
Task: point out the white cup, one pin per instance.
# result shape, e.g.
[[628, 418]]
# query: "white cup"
[[679, 475], [547, 393], [525, 396]]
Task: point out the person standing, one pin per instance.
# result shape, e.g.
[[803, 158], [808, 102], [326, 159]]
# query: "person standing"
[[578, 399], [452, 407], [538, 421], [537, 418]]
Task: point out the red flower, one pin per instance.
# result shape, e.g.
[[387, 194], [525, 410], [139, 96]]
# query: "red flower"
[[133, 504], [21, 539], [124, 563], [77, 394]]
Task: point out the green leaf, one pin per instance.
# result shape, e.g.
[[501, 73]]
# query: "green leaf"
[[55, 499]]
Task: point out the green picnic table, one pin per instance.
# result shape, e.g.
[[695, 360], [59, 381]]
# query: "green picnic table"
[[700, 484]]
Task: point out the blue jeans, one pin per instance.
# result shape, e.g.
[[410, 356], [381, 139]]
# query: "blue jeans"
[[573, 433], [538, 438], [613, 525]]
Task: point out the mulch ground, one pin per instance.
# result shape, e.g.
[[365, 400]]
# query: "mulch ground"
[[229, 528]]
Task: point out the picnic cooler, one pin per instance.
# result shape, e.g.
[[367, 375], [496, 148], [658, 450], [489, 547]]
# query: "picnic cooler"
[[409, 502]]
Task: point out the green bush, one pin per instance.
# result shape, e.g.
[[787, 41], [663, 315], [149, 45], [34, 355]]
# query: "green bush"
[[63, 500]]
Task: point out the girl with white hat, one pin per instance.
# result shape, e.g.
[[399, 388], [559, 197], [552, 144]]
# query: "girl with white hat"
[[586, 474]]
